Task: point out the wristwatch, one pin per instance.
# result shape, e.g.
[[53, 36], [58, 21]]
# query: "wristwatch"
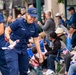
[[7, 39]]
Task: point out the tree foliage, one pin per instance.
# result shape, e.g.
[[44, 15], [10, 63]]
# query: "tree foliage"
[[60, 1]]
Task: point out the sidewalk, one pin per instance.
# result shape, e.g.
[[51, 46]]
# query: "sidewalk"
[[33, 74]]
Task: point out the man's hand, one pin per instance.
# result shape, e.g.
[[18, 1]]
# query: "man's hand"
[[64, 19], [39, 23]]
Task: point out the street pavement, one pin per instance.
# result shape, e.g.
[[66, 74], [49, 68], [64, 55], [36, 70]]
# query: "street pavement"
[[31, 74]]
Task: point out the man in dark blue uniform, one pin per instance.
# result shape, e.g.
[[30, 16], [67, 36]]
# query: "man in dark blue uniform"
[[3, 65], [22, 29]]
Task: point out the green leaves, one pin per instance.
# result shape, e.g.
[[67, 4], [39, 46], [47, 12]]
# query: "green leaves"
[[60, 1]]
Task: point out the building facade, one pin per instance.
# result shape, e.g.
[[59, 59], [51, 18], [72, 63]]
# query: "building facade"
[[54, 7]]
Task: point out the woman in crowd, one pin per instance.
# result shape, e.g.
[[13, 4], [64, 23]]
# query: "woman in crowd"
[[22, 29], [59, 19]]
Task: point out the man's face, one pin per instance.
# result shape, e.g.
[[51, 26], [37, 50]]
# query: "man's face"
[[71, 30], [22, 11], [50, 38], [71, 12], [46, 15], [9, 19]]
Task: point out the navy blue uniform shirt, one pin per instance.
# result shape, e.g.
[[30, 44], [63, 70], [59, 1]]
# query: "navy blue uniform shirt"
[[22, 31]]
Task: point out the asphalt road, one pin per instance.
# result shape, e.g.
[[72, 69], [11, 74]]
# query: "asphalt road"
[[33, 74]]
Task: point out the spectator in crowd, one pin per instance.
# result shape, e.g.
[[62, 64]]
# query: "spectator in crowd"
[[52, 51], [41, 41], [67, 60], [33, 48], [73, 16], [60, 33], [72, 31], [72, 69], [43, 18], [19, 16], [49, 25], [22, 11], [3, 65], [9, 20], [22, 29], [67, 57], [59, 19]]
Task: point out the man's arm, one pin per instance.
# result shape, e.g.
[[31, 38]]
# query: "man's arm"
[[69, 22], [72, 19], [45, 26]]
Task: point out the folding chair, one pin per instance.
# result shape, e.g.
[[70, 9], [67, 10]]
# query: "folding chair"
[[59, 62]]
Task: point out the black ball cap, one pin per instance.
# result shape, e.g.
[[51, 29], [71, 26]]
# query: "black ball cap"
[[72, 26], [71, 8]]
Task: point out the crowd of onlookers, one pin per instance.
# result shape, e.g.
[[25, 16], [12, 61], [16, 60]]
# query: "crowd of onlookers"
[[55, 37], [58, 36]]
